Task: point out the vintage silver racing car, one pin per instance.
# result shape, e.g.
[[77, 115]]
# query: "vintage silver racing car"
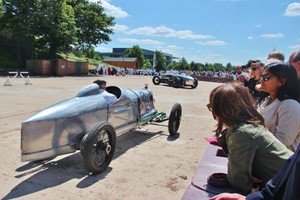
[[175, 80], [87, 123]]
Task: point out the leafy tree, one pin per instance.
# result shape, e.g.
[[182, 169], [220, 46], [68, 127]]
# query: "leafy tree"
[[17, 26], [183, 64], [56, 26], [135, 52], [193, 66], [47, 27], [93, 26], [229, 67], [147, 64], [160, 61]]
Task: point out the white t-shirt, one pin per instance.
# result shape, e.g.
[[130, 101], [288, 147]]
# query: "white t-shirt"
[[110, 98], [282, 118]]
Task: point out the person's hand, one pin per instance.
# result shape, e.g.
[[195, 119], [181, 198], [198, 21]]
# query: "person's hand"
[[228, 196], [258, 87]]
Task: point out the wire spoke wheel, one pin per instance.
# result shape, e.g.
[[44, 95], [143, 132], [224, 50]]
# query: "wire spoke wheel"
[[98, 147]]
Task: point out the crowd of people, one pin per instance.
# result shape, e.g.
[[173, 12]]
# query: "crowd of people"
[[258, 128]]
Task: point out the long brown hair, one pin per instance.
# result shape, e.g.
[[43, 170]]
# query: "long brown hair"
[[232, 104]]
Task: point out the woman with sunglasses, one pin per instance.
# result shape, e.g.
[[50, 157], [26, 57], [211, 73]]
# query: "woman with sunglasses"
[[251, 149], [281, 109]]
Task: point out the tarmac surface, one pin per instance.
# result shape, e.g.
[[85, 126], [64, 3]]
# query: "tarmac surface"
[[148, 163]]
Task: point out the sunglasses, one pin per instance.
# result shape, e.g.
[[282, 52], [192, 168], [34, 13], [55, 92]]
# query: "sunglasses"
[[208, 107], [266, 77], [254, 68]]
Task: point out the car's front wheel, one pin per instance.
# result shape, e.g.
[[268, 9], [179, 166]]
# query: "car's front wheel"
[[98, 147], [174, 119], [195, 83], [156, 80]]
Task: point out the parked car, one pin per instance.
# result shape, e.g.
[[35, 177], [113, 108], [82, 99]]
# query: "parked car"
[[87, 123], [175, 80]]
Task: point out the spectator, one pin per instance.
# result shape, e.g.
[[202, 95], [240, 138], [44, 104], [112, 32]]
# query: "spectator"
[[110, 98], [251, 84], [281, 109], [240, 76], [284, 185], [251, 149], [276, 55], [294, 60]]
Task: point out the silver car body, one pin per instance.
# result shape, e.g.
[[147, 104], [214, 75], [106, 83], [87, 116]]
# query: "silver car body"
[[59, 128]]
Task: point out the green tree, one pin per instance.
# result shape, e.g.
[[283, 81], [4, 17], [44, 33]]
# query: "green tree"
[[229, 67], [46, 27], [193, 66], [160, 62], [218, 67], [56, 26], [147, 64], [93, 26], [184, 64], [17, 26], [135, 52]]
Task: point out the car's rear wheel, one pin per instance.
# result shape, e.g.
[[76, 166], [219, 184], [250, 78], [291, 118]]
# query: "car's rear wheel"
[[174, 119], [195, 83], [156, 80], [98, 147]]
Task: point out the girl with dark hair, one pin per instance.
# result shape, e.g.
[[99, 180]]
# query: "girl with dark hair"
[[281, 109], [251, 149]]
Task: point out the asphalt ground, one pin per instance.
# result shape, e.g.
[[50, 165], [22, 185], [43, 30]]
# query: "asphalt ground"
[[148, 163]]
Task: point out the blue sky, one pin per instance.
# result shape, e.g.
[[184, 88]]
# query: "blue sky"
[[212, 31]]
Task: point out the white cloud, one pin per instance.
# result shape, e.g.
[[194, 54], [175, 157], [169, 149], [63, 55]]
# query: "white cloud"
[[296, 46], [173, 47], [167, 32], [140, 41], [293, 9], [250, 37], [257, 25], [114, 11], [212, 43], [207, 58], [271, 35], [102, 49], [120, 28]]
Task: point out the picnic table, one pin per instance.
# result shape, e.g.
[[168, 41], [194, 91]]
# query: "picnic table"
[[214, 161]]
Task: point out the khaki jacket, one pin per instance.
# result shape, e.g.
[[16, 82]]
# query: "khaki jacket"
[[252, 151]]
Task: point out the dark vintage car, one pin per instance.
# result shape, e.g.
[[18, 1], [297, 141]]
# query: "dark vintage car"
[[87, 123], [176, 80]]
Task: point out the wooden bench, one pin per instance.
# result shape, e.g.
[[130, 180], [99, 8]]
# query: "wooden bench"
[[214, 161]]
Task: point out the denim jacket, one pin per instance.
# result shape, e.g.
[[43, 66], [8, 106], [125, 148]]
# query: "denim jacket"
[[252, 151]]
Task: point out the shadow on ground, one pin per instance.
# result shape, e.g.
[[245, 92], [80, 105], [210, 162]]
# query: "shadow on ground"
[[50, 173]]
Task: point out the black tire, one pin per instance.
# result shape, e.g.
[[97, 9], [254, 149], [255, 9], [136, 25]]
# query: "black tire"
[[174, 82], [195, 83], [98, 147], [156, 80], [174, 119], [177, 83]]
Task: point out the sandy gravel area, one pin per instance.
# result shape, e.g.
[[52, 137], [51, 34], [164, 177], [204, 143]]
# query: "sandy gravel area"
[[148, 164]]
